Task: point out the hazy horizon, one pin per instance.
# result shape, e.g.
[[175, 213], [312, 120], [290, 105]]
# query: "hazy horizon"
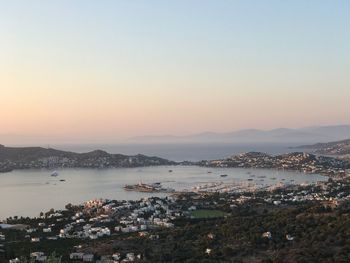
[[174, 131], [83, 71], [329, 133]]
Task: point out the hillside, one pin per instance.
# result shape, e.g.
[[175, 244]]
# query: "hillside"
[[337, 148], [297, 161], [38, 157]]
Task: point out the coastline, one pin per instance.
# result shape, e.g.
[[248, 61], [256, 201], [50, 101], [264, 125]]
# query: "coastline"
[[152, 218], [43, 191]]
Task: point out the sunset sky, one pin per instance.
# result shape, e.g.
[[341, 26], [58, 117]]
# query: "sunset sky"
[[108, 70]]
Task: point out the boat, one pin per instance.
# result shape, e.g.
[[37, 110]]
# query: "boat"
[[223, 175], [54, 173], [62, 180], [170, 171], [148, 188]]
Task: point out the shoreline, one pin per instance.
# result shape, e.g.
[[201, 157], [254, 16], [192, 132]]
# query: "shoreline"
[[203, 188]]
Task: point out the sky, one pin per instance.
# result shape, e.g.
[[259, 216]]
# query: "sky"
[[103, 71]]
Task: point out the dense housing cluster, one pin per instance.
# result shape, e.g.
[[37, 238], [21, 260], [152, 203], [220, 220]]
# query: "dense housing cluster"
[[280, 223], [114, 231], [305, 162]]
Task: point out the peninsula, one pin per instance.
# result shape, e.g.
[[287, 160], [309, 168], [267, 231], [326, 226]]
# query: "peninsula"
[[37, 157], [339, 149], [297, 161]]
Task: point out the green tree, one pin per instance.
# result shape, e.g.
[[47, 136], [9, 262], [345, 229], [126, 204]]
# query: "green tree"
[[53, 258]]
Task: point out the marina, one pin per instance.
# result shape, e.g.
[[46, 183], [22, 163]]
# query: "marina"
[[148, 188], [43, 192]]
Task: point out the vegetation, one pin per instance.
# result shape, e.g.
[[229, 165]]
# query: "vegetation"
[[205, 213], [220, 233]]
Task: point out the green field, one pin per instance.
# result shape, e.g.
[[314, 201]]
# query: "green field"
[[208, 213]]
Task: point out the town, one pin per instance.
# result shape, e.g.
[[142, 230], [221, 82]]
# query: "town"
[[175, 131], [118, 231], [299, 161], [36, 157], [102, 230]]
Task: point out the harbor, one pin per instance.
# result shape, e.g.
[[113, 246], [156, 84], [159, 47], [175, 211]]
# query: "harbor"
[[148, 188], [44, 192]]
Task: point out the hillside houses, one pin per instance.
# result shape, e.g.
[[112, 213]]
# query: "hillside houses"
[[36, 157], [304, 162], [101, 220]]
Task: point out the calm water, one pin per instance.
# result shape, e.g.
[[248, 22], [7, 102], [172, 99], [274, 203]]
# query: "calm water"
[[28, 192], [182, 151]]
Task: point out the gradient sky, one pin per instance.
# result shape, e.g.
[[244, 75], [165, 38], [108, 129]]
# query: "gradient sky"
[[106, 70]]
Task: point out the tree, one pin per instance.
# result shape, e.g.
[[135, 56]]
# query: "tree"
[[54, 259]]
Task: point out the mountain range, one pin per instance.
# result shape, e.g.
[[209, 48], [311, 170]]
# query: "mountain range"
[[308, 135]]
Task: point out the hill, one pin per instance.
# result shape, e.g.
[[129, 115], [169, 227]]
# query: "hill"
[[306, 135], [337, 148], [38, 157], [297, 161]]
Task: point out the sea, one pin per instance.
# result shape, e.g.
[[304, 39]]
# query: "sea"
[[182, 151], [29, 192]]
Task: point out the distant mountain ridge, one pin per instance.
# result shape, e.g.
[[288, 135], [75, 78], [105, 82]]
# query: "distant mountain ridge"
[[281, 135], [38, 157]]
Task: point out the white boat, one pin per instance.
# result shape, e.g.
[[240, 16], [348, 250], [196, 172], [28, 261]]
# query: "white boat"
[[54, 173]]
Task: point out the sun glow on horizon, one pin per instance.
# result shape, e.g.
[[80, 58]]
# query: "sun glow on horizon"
[[90, 71]]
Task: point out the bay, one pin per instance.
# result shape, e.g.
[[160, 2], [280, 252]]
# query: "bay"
[[182, 151], [28, 192]]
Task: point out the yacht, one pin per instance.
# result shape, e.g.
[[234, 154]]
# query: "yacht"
[[54, 173]]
